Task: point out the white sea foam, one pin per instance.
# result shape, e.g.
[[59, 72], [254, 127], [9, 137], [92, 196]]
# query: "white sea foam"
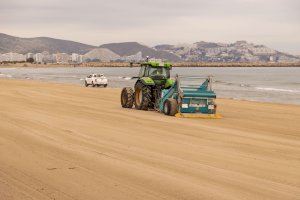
[[124, 77], [277, 90], [5, 75]]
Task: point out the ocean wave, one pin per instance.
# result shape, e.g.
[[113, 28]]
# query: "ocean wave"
[[5, 75], [277, 90], [235, 84], [125, 77]]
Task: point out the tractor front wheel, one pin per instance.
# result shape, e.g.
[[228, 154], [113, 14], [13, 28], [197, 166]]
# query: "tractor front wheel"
[[142, 96], [170, 107], [127, 97]]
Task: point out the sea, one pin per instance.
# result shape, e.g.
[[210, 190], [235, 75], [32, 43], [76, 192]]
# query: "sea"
[[267, 84]]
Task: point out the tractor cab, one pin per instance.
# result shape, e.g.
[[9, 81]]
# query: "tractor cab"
[[156, 72], [154, 68]]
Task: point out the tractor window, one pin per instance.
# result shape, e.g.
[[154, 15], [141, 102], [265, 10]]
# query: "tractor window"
[[142, 71], [153, 71]]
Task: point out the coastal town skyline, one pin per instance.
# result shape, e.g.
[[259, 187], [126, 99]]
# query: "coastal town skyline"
[[50, 50]]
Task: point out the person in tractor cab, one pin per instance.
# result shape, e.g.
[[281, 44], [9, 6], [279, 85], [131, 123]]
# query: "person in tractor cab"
[[154, 71]]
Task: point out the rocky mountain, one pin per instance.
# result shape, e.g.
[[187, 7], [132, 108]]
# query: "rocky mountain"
[[132, 48], [39, 44], [240, 51], [101, 54]]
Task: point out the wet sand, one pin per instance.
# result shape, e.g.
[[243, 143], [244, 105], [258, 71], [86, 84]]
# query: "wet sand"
[[60, 141]]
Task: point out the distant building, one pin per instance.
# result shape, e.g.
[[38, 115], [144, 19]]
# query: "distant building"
[[47, 57], [63, 58], [38, 58], [29, 55], [262, 51], [214, 51], [80, 59], [13, 57], [76, 58]]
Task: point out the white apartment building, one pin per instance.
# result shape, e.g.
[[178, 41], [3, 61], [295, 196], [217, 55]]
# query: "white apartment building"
[[29, 55], [47, 57], [62, 58], [13, 57], [38, 58], [76, 58]]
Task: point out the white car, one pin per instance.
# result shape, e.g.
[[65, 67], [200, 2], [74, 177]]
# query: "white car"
[[96, 80]]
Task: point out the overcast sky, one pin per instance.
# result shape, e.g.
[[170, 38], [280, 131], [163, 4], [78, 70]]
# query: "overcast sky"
[[275, 23]]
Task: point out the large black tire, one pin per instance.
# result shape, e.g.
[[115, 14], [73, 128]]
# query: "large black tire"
[[142, 97], [170, 107], [127, 97]]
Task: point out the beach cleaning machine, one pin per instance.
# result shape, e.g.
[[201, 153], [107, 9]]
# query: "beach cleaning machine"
[[190, 97], [183, 97]]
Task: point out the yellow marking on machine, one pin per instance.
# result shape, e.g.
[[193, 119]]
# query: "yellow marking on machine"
[[199, 115]]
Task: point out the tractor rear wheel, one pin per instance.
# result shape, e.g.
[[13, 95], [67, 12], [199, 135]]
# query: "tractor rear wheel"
[[170, 107], [127, 97], [142, 98]]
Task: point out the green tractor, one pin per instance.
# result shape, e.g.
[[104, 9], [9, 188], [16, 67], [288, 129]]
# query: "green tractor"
[[186, 96], [152, 79]]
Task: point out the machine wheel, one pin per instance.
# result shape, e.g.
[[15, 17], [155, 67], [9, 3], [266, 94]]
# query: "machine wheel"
[[170, 107], [127, 97], [105, 85], [93, 84], [142, 98], [86, 84]]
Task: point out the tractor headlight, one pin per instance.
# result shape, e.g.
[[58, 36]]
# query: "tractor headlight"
[[185, 105], [211, 107]]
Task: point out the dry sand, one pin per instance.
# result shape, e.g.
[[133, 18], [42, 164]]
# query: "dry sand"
[[69, 142]]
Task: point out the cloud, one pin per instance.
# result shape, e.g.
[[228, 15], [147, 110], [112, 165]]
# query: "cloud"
[[272, 22]]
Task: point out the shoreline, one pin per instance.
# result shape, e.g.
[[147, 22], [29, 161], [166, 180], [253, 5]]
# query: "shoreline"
[[175, 64], [81, 85], [119, 88]]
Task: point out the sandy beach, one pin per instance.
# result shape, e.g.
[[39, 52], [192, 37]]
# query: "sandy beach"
[[63, 141]]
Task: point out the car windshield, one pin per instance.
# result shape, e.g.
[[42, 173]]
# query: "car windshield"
[[154, 71]]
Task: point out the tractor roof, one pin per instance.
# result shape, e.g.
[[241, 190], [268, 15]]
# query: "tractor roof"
[[157, 64]]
